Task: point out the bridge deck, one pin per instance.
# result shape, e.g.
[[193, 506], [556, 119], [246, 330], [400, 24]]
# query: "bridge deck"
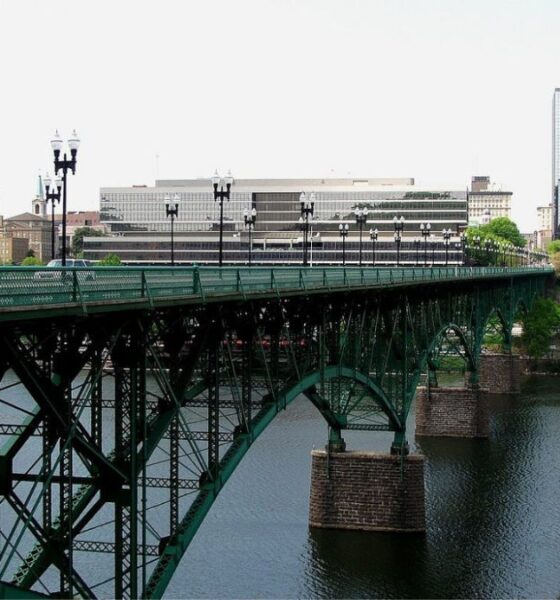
[[30, 292]]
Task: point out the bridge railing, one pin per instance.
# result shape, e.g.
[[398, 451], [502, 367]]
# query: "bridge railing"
[[22, 287]]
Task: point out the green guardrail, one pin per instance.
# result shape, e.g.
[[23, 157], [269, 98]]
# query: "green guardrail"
[[39, 288]]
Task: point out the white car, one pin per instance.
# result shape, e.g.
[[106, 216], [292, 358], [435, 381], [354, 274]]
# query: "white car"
[[48, 271]]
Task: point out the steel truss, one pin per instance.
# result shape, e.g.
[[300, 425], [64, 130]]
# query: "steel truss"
[[121, 429]]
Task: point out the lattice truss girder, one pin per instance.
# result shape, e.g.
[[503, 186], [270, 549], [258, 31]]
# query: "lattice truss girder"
[[124, 428]]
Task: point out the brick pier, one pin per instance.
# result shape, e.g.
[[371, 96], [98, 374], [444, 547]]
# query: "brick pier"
[[368, 491], [500, 373], [452, 412]]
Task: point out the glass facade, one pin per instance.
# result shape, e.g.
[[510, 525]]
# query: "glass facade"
[[137, 217]]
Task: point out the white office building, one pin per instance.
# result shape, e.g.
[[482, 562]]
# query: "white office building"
[[137, 219]]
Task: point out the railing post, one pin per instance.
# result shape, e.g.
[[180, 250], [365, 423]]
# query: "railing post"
[[196, 281], [74, 286]]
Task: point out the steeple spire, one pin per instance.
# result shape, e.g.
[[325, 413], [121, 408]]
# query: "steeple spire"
[[39, 194]]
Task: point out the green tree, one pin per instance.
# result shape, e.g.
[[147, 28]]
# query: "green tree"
[[553, 247], [30, 261], [30, 252], [505, 229], [111, 260], [78, 238], [539, 325]]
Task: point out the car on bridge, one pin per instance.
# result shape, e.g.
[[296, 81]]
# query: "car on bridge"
[[49, 272]]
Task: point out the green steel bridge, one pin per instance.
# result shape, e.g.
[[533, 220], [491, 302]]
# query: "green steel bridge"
[[130, 395]]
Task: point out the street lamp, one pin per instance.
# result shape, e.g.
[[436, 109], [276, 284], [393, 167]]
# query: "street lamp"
[[250, 218], [425, 231], [446, 233], [463, 239], [343, 232], [220, 195], [64, 165], [417, 243], [487, 245], [361, 218], [373, 235], [173, 212], [307, 208], [53, 196], [398, 224]]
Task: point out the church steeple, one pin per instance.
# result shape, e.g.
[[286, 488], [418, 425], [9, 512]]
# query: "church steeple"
[[39, 193], [39, 206]]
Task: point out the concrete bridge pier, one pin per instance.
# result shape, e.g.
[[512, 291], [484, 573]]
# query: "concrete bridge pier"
[[500, 373], [452, 411], [367, 491]]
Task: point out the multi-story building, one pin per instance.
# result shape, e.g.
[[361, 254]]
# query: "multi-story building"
[[12, 250], [555, 160], [544, 226], [140, 230], [36, 229], [486, 199]]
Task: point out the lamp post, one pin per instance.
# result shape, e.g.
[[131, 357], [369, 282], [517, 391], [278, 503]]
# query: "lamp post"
[[463, 239], [173, 212], [307, 208], [487, 245], [398, 224], [53, 197], [343, 232], [250, 218], [446, 233], [64, 165], [220, 195], [417, 243], [361, 218], [373, 235], [425, 231]]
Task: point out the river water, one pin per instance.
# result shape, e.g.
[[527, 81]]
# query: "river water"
[[493, 517]]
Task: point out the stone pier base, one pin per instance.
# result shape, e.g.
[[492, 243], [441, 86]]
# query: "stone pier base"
[[451, 412], [500, 373], [367, 491]]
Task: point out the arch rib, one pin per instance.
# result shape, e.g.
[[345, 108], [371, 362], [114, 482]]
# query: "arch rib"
[[178, 544]]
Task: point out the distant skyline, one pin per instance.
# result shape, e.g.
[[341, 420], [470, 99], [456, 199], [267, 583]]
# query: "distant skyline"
[[437, 90]]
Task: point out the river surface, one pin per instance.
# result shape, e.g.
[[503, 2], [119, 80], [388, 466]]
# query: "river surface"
[[493, 517]]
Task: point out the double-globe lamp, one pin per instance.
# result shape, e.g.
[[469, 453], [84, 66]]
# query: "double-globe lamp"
[[307, 208], [172, 210], [343, 232], [250, 218], [53, 197], [65, 164], [361, 214], [373, 235], [398, 224], [221, 195]]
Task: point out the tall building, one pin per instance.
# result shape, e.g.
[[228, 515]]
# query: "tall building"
[[487, 200], [555, 160], [141, 231], [544, 226]]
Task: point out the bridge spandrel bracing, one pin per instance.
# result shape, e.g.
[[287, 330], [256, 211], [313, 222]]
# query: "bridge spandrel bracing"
[[121, 427]]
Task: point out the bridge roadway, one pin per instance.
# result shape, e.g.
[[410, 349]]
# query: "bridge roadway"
[[128, 396], [27, 292]]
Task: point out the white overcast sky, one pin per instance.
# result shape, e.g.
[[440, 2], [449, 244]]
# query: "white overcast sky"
[[438, 90]]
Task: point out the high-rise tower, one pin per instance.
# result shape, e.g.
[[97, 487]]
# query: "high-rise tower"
[[555, 160]]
